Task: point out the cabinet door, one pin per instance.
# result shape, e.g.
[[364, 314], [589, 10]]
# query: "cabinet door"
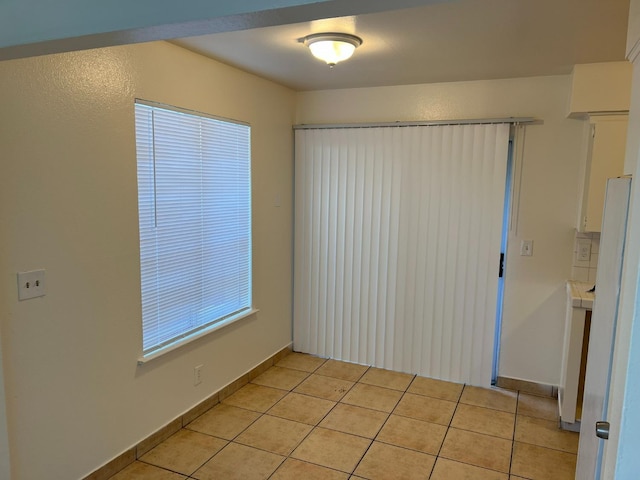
[[606, 161]]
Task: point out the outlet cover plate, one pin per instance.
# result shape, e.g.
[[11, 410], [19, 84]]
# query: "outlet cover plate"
[[197, 375], [584, 251]]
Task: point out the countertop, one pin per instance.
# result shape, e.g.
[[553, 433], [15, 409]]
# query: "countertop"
[[578, 295]]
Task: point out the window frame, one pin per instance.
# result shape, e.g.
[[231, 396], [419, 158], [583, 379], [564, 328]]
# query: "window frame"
[[189, 334]]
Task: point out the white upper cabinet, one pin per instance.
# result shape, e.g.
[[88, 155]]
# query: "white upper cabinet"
[[633, 51], [601, 94], [599, 88], [605, 159], [633, 32], [633, 139]]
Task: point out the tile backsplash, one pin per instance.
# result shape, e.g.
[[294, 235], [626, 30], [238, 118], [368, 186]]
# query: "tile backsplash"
[[585, 270]]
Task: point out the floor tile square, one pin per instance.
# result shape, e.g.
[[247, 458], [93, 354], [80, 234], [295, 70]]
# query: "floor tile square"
[[539, 407], [539, 463], [484, 420], [324, 387], [302, 408], [387, 379], [274, 434], [332, 449], [450, 470], [355, 420], [430, 387], [293, 469], [495, 398], [370, 396], [545, 433], [184, 451], [282, 378], [414, 434], [144, 471], [425, 408], [342, 370], [224, 421], [386, 462], [476, 449], [255, 397], [301, 361], [238, 462]]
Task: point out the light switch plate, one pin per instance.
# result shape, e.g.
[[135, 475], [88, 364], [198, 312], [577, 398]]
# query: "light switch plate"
[[526, 248], [31, 284]]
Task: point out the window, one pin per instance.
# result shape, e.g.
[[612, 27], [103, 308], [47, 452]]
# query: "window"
[[194, 207]]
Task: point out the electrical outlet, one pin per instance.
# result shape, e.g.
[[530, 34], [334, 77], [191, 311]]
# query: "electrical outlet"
[[584, 251], [526, 248], [31, 284], [197, 375]]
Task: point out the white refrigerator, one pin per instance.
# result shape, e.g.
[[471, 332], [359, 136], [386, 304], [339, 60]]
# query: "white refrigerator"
[[603, 329]]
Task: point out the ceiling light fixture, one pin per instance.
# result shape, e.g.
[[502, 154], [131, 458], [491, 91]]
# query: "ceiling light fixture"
[[332, 47]]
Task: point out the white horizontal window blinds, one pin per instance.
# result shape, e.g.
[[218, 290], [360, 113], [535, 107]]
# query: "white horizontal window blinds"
[[194, 202], [397, 240]]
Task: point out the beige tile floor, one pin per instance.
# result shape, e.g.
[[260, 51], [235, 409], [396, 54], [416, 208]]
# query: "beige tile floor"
[[311, 418]]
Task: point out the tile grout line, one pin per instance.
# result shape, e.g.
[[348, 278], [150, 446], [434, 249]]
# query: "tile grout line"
[[183, 427], [383, 424], [536, 418], [513, 436], [447, 430], [458, 402], [229, 442], [164, 468], [261, 414], [547, 448], [315, 426]]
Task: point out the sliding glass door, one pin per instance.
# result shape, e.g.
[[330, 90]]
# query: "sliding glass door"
[[397, 236]]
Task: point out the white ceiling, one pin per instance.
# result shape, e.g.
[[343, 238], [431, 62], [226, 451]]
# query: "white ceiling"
[[451, 41]]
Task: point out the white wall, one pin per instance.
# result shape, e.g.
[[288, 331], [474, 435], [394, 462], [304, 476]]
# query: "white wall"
[[68, 203], [531, 345], [5, 460]]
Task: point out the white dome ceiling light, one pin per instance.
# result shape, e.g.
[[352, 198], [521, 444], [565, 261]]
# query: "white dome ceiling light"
[[332, 48]]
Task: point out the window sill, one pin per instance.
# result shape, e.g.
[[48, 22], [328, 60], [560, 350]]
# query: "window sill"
[[199, 334]]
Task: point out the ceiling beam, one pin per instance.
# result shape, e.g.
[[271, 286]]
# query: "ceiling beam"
[[38, 27]]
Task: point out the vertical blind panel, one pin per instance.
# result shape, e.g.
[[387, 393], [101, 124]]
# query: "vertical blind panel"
[[397, 238], [194, 204]]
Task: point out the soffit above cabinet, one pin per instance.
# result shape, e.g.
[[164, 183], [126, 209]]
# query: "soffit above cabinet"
[[600, 87]]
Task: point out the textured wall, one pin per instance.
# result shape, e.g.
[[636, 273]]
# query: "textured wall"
[[68, 203]]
